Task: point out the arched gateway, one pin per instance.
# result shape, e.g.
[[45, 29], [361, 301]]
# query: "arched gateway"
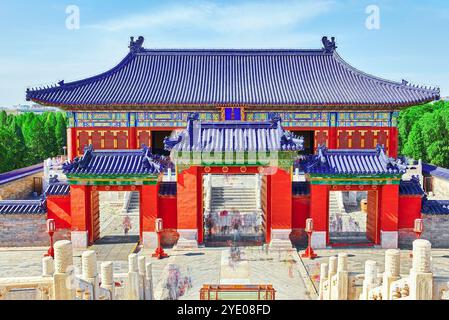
[[236, 166]]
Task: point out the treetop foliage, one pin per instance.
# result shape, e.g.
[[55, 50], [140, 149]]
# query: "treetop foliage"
[[424, 133], [29, 138]]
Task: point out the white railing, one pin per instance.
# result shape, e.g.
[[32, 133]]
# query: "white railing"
[[61, 282]]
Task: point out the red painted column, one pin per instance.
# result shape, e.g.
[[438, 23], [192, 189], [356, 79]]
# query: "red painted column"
[[281, 205], [80, 208], [389, 215], [148, 214], [132, 136], [71, 143], [319, 212], [332, 141], [188, 207], [393, 142], [267, 206]]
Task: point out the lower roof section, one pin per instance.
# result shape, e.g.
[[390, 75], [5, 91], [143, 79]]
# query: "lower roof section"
[[435, 206], [351, 162], [411, 187], [117, 163], [23, 206]]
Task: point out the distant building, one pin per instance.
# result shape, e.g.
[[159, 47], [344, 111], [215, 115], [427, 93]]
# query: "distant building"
[[35, 108]]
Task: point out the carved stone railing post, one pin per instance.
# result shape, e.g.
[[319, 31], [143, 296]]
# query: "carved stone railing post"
[[142, 278], [370, 281], [392, 270], [421, 277], [149, 293], [89, 271], [323, 279], [133, 287], [332, 272], [48, 267], [341, 278], [64, 272], [107, 277]]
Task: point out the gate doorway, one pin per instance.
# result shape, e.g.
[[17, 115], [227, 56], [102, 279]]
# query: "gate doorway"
[[232, 209], [116, 210], [157, 142], [353, 218]]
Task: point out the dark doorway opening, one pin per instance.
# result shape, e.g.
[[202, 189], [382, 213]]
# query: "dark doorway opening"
[[157, 142], [309, 141]]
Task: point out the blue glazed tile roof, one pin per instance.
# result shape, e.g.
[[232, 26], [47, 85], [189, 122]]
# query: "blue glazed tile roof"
[[435, 171], [359, 162], [117, 162], [20, 173], [232, 136], [410, 187], [57, 189], [23, 206], [300, 188], [167, 189], [252, 77], [435, 206]]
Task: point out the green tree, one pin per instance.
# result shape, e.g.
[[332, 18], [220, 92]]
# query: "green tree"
[[20, 150], [27, 139], [424, 132], [51, 141], [3, 117], [7, 152], [61, 131]]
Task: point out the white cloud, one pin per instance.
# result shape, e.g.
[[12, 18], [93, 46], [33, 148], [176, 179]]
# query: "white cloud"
[[224, 18]]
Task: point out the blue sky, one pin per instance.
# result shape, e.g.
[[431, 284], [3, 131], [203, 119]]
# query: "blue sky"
[[38, 49]]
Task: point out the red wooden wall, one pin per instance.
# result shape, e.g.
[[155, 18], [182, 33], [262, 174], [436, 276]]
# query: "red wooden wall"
[[332, 137], [300, 211], [58, 208], [355, 137], [409, 210]]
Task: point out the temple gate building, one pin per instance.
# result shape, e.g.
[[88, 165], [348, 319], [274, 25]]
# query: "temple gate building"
[[257, 140]]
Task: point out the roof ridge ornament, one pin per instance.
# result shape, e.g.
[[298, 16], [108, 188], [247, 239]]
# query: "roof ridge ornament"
[[329, 45], [136, 46], [275, 119], [322, 153]]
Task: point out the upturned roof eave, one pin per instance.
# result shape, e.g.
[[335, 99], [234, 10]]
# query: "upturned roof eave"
[[154, 106]]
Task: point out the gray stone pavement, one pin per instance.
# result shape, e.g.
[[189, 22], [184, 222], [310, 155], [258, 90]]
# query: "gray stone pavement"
[[204, 266]]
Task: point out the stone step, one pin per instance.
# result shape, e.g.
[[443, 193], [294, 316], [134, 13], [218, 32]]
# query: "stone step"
[[233, 192], [218, 209], [347, 234], [233, 200], [234, 204], [233, 196]]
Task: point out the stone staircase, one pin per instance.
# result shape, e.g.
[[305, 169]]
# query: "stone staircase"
[[345, 236], [240, 198], [334, 208], [348, 237], [132, 208]]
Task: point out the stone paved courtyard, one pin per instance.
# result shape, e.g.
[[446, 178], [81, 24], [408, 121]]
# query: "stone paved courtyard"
[[291, 276], [205, 266]]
